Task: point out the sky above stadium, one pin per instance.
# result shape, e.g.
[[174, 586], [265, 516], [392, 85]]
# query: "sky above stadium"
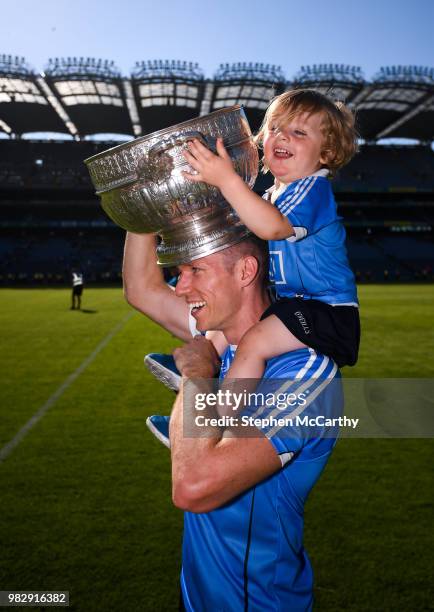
[[288, 33]]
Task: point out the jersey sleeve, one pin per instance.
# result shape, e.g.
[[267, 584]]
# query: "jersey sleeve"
[[308, 207], [299, 416]]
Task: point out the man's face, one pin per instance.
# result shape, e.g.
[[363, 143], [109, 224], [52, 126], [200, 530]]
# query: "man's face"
[[211, 290]]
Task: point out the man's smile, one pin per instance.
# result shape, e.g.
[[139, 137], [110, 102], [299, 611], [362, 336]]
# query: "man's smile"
[[195, 307]]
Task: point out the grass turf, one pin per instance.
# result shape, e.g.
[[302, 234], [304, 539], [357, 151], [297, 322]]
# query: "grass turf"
[[86, 494]]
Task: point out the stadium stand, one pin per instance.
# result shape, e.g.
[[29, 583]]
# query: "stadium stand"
[[252, 85], [51, 219], [166, 93]]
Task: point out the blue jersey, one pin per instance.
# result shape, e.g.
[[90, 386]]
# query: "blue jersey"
[[249, 554], [313, 264]]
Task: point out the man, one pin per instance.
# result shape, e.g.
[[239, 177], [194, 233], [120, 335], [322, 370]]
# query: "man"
[[243, 496], [77, 289]]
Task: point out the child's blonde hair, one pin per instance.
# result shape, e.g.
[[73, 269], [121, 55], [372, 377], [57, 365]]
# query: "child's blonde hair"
[[338, 125]]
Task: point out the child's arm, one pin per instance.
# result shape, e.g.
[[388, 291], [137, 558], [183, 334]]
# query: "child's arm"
[[219, 341], [260, 216]]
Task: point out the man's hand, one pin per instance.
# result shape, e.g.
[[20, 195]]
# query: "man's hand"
[[197, 359], [213, 169]]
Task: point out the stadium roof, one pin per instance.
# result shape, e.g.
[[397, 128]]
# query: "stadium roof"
[[166, 93], [24, 103], [93, 94], [84, 96]]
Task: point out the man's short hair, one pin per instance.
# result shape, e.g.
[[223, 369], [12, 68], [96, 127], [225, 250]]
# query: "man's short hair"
[[251, 245]]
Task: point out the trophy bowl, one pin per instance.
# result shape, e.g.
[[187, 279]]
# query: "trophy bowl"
[[142, 189]]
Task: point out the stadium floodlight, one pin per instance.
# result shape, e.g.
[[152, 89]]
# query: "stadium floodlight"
[[82, 67], [167, 69], [14, 65], [405, 74], [248, 71], [330, 73]]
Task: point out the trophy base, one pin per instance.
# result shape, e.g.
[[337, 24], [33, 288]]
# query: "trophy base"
[[199, 237]]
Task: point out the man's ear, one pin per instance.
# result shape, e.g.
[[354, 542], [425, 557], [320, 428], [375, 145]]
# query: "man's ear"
[[248, 269]]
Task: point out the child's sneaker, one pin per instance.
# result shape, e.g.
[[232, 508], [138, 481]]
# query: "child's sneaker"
[[164, 369], [159, 426]]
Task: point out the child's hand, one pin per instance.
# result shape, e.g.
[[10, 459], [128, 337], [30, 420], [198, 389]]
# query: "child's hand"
[[210, 168]]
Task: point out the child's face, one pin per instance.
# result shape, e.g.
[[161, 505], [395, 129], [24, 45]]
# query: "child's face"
[[293, 151]]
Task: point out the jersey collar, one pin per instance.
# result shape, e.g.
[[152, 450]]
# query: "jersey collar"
[[274, 193]]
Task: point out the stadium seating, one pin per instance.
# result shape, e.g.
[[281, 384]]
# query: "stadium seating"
[[51, 218]]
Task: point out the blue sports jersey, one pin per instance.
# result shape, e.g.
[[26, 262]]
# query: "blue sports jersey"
[[249, 554], [313, 263]]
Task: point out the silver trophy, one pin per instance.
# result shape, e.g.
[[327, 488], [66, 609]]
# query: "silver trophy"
[[142, 188]]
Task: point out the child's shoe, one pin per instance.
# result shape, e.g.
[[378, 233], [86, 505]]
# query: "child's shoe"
[[159, 426], [164, 369]]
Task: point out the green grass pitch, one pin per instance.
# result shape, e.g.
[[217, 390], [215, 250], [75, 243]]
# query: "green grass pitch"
[[85, 495]]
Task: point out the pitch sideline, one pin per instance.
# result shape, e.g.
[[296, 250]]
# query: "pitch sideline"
[[9, 447]]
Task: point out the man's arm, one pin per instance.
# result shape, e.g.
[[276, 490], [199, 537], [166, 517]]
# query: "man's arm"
[[209, 471], [146, 290]]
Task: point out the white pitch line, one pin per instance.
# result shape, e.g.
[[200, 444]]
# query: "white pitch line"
[[9, 447]]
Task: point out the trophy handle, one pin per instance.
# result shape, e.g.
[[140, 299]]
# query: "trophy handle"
[[180, 139]]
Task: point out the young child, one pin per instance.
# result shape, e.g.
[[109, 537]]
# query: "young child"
[[305, 138]]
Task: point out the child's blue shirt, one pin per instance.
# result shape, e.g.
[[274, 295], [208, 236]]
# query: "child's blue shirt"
[[313, 264]]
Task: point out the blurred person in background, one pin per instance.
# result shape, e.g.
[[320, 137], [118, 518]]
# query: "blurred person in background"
[[77, 289]]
